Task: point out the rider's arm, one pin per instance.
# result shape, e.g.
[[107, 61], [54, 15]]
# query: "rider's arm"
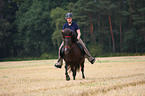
[[79, 34]]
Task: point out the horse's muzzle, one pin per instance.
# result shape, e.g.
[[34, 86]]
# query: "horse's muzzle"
[[66, 49]]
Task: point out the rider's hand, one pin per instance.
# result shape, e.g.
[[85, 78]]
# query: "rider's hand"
[[79, 34], [78, 38]]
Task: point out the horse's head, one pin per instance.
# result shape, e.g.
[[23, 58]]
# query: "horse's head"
[[66, 32], [67, 35]]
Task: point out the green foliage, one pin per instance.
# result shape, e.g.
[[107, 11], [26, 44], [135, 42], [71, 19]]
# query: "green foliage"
[[57, 15], [96, 49], [47, 56], [4, 26], [56, 38], [7, 13], [31, 28], [4, 38]]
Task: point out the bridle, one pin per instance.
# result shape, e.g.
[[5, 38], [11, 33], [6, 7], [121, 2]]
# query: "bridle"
[[69, 46]]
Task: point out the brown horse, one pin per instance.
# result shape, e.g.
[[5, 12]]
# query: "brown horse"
[[74, 57]]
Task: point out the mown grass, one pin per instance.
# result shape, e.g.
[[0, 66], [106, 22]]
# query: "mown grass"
[[114, 76]]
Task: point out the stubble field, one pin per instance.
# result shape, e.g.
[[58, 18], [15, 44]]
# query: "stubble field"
[[114, 76]]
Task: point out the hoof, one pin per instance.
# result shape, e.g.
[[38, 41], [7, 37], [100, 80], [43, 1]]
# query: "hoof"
[[67, 78], [83, 77]]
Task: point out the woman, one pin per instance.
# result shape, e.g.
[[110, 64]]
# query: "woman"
[[73, 26]]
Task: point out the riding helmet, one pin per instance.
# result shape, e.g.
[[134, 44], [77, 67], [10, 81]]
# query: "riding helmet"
[[68, 15]]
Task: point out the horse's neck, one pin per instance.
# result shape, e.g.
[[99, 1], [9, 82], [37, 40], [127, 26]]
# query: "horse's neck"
[[74, 48]]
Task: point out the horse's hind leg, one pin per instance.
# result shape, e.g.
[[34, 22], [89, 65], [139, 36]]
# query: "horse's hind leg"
[[82, 69], [66, 73], [74, 73]]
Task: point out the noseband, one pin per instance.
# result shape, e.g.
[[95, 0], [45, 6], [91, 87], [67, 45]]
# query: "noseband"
[[68, 36], [69, 46]]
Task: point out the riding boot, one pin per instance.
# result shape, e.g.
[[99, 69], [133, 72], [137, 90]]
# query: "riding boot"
[[59, 63], [88, 55], [60, 60]]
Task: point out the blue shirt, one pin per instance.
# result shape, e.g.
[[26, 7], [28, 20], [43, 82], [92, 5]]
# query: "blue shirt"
[[74, 26]]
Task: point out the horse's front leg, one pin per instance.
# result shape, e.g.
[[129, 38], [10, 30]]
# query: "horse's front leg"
[[82, 69], [74, 72], [66, 73]]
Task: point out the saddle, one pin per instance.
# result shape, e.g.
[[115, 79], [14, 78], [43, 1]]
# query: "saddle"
[[78, 44]]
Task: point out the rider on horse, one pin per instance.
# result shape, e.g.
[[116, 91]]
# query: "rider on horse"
[[73, 26]]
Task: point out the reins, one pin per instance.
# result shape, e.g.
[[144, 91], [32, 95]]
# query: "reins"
[[71, 46]]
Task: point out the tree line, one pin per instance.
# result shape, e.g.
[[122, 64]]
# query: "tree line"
[[31, 28]]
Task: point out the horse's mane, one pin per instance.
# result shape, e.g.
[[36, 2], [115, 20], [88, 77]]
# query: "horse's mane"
[[69, 32]]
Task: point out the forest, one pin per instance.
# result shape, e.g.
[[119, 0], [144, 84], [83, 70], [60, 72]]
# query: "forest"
[[31, 28]]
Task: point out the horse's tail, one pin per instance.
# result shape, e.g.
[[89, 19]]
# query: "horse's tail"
[[74, 67], [78, 67]]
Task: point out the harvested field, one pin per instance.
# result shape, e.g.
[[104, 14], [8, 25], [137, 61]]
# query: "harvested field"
[[114, 76]]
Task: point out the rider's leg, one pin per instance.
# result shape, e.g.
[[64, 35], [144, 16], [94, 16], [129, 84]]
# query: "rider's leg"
[[60, 60], [88, 55]]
